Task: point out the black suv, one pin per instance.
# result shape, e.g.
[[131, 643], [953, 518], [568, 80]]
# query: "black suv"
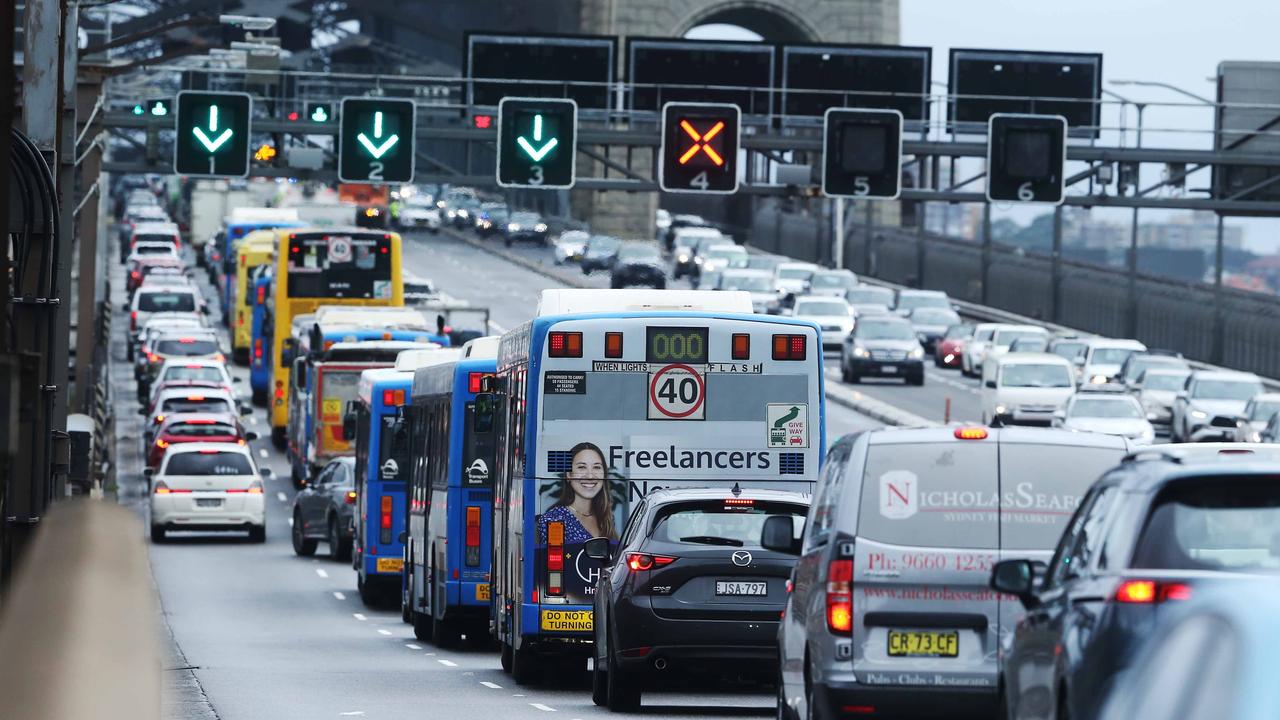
[[639, 264], [691, 586], [1164, 526]]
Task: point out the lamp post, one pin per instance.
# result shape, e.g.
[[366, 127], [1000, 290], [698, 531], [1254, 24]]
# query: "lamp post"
[[1131, 260]]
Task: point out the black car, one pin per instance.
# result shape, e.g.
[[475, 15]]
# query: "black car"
[[697, 583], [1161, 528], [525, 226], [599, 253], [882, 346], [325, 511], [639, 264]]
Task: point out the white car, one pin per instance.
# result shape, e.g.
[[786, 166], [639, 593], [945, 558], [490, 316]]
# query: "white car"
[[1103, 358], [419, 212], [1257, 414], [1025, 388], [208, 486], [793, 277], [975, 349], [192, 369], [1156, 390], [1005, 335], [1107, 413], [570, 245], [726, 256], [832, 314], [759, 283]]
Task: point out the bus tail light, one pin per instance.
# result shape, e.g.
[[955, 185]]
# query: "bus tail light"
[[240, 317], [351, 497], [475, 382], [565, 344], [741, 346], [385, 520], [257, 349], [473, 536], [840, 596], [555, 558], [789, 347], [262, 294], [613, 345], [393, 397]]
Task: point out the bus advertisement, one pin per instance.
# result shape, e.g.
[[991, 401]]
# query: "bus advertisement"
[[610, 394]]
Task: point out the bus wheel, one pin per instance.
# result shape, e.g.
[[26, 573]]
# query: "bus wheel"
[[506, 657], [260, 398], [523, 668], [278, 438], [444, 634], [368, 595]]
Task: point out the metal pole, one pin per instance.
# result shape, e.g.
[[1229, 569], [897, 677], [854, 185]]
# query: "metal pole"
[[867, 240], [1219, 317], [986, 253], [1132, 259], [837, 251], [1055, 277], [86, 290]]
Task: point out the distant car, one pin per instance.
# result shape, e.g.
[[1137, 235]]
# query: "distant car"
[[150, 248], [525, 227], [950, 347], [188, 369], [1005, 335], [832, 314], [766, 263], [1257, 414], [1140, 362], [570, 246], [792, 278], [209, 401], [1271, 433], [975, 348], [460, 211], [1024, 389], [908, 300], [1071, 348], [140, 267], [931, 323], [195, 427], [1210, 404], [721, 257], [639, 264], [208, 486], [759, 283], [161, 299], [184, 344], [679, 223], [882, 347], [703, 575], [599, 254], [869, 299], [163, 321], [1159, 529], [420, 213], [832, 282], [1107, 413], [158, 232], [685, 243], [324, 511], [1030, 345], [491, 218], [1103, 358], [1156, 390]]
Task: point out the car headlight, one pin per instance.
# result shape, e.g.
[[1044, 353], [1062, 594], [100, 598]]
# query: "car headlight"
[[1199, 414], [463, 213], [698, 260], [540, 227], [1001, 409], [513, 227], [916, 353], [1097, 379], [859, 351], [683, 258], [1255, 437]]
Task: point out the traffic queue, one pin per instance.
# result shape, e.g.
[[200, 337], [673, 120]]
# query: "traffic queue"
[[638, 482]]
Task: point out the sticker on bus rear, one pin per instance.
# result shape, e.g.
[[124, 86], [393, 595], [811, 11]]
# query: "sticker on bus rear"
[[787, 425]]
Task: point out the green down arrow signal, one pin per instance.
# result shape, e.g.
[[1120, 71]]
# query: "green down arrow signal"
[[212, 145], [536, 154], [377, 151]]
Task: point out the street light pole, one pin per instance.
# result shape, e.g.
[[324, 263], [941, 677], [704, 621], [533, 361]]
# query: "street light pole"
[[1131, 261]]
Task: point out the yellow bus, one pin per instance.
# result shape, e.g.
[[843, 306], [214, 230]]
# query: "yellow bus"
[[257, 248], [325, 266]]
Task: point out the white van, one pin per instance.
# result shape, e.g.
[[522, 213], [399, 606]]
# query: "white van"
[[1025, 388], [1005, 335]]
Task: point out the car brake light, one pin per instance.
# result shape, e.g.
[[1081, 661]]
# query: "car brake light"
[[613, 345], [645, 561], [473, 536], [739, 501], [741, 346], [840, 596], [195, 398], [1150, 592], [971, 433], [255, 487], [161, 443], [790, 347], [133, 320], [351, 497], [565, 344], [384, 521]]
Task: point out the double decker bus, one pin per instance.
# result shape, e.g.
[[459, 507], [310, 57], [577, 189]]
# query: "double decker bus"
[[325, 266], [383, 465], [448, 553], [608, 394]]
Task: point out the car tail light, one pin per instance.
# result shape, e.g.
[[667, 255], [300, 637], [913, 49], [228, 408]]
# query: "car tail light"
[[645, 561], [790, 347], [161, 489], [565, 344], [473, 536], [133, 321], [555, 558], [840, 596], [385, 520], [162, 443], [1150, 592], [613, 345], [153, 358], [393, 397], [255, 487], [351, 497], [741, 346], [971, 433]]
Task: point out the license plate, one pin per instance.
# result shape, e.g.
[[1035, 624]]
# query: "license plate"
[[389, 565], [567, 621], [209, 502], [729, 587], [888, 369], [482, 592], [914, 643]]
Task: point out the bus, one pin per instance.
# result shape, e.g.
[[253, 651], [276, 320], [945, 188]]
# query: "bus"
[[241, 223], [608, 394], [383, 464], [260, 334], [257, 249], [325, 381], [325, 266], [448, 552]]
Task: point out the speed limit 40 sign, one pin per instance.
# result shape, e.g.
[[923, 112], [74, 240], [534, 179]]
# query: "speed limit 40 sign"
[[677, 392]]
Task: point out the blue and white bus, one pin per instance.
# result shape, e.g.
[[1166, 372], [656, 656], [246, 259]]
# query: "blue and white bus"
[[448, 552], [607, 394], [260, 334], [383, 464]]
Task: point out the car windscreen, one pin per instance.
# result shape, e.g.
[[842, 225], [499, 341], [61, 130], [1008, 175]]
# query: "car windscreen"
[[1262, 411], [525, 219], [959, 331], [883, 331], [795, 274], [340, 266], [1114, 408], [1035, 376], [821, 307], [1225, 389], [167, 302], [1028, 345], [870, 296], [199, 372], [1139, 365], [189, 405], [911, 302], [208, 463], [1069, 351], [1110, 356], [719, 523], [192, 429], [758, 262], [187, 347], [1005, 338], [832, 280], [934, 316], [1213, 523], [749, 284], [637, 254], [1163, 381]]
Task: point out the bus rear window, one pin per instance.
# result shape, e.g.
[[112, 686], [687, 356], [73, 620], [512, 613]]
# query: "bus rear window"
[[337, 388], [215, 463], [167, 302], [479, 444], [393, 446], [341, 266]]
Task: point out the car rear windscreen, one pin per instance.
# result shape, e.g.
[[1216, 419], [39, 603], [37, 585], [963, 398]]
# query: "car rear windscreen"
[[167, 302], [209, 463], [1213, 523], [154, 249], [187, 405], [187, 347], [735, 524], [200, 372], [200, 430]]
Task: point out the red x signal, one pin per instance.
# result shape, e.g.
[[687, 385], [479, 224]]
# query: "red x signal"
[[700, 142]]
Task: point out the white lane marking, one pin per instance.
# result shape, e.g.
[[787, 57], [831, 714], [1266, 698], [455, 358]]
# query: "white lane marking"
[[262, 453], [322, 573], [491, 685], [447, 663], [282, 498], [253, 419], [542, 707], [339, 596], [290, 522], [383, 632], [359, 616], [411, 646], [352, 713]]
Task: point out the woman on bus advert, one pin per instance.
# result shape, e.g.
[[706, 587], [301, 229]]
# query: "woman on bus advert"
[[580, 505]]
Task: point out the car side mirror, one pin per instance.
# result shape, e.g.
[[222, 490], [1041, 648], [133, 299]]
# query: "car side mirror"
[[597, 548], [148, 472], [250, 436], [1059, 415], [349, 427], [779, 535], [1018, 578], [990, 383], [266, 472], [204, 310], [245, 410]]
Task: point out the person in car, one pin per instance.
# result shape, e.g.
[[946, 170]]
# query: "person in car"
[[584, 505]]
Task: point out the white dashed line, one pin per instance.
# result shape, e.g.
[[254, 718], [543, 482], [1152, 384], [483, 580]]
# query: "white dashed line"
[[253, 419], [353, 713], [262, 453], [290, 522], [542, 707], [339, 596], [322, 573], [383, 632], [447, 663], [491, 685], [359, 616], [411, 646], [282, 498]]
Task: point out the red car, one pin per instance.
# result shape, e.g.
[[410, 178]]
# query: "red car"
[[950, 347], [196, 427]]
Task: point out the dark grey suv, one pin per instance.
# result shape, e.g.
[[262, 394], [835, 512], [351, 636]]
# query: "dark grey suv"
[[325, 511]]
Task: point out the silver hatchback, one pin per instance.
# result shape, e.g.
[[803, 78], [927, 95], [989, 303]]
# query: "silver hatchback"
[[890, 613]]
